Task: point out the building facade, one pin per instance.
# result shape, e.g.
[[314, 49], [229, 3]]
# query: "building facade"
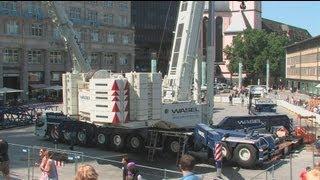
[[33, 54], [154, 23], [230, 21], [303, 66]]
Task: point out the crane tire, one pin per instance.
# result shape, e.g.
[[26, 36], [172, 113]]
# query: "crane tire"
[[226, 152], [245, 155], [117, 141], [134, 142], [172, 145]]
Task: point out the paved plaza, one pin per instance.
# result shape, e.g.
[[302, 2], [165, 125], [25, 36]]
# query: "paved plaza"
[[112, 169]]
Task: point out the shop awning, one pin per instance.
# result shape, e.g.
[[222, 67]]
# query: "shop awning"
[[5, 90], [38, 86]]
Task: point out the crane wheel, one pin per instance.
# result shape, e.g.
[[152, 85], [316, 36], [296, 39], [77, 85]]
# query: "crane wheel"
[[226, 152], [172, 145], [245, 155], [134, 142], [102, 139], [117, 141], [82, 136]]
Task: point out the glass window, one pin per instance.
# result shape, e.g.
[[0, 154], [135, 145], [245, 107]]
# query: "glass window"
[[111, 37], [36, 76], [123, 6], [184, 6], [56, 76], [12, 27], [36, 30], [55, 57], [108, 18], [75, 13], [109, 58], [123, 59], [93, 59], [108, 4], [34, 57], [125, 39], [92, 16], [10, 56], [123, 21], [56, 33], [95, 36]]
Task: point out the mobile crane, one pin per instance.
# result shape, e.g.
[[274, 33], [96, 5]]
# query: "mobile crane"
[[137, 111]]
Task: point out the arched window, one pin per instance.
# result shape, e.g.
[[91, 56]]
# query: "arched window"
[[219, 39]]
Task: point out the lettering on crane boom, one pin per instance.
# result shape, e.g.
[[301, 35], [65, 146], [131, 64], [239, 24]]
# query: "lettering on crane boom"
[[184, 110]]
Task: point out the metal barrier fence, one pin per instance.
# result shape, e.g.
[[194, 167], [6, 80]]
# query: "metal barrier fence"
[[25, 160]]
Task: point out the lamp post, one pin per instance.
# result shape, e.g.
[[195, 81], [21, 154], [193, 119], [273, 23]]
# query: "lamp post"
[[267, 74], [240, 74]]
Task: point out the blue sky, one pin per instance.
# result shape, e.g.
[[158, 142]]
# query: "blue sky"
[[303, 14]]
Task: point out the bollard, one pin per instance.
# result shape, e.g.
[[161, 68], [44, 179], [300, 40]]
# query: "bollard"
[[266, 175], [218, 158], [165, 174], [75, 164], [273, 172], [290, 166], [33, 163], [28, 164]]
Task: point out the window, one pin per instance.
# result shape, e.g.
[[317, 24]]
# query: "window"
[[108, 18], [56, 76], [12, 27], [123, 60], [34, 57], [184, 6], [36, 30], [98, 92], [111, 37], [123, 21], [125, 39], [36, 76], [108, 4], [93, 58], [101, 97], [56, 33], [109, 58], [99, 84], [123, 6], [92, 16], [95, 36], [78, 34], [10, 56], [55, 57], [75, 13], [11, 6]]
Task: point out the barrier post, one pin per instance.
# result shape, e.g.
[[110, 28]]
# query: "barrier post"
[[218, 158], [29, 163]]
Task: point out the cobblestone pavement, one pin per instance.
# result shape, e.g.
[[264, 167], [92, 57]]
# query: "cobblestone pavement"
[[112, 170]]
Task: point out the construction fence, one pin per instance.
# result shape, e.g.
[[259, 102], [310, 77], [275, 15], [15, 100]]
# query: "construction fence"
[[25, 160]]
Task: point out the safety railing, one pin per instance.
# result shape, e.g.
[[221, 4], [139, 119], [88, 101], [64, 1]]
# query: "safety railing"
[[25, 160]]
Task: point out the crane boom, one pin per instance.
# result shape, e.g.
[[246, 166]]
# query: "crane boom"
[[184, 49], [65, 26]]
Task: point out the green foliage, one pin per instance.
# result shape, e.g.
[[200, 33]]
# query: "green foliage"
[[253, 47]]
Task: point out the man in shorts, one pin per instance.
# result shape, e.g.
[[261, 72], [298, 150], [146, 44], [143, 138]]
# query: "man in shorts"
[[4, 159]]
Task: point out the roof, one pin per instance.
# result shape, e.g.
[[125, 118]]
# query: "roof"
[[315, 39], [296, 34]]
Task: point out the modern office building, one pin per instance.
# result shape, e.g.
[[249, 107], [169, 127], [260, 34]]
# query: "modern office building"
[[154, 23], [303, 66], [33, 54]]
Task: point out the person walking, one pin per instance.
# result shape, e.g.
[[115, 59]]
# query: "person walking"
[[50, 168], [86, 172], [186, 164], [230, 99], [133, 172], [125, 161], [303, 173], [42, 165], [4, 159]]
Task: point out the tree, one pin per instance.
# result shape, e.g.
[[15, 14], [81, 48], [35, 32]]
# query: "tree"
[[253, 47]]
